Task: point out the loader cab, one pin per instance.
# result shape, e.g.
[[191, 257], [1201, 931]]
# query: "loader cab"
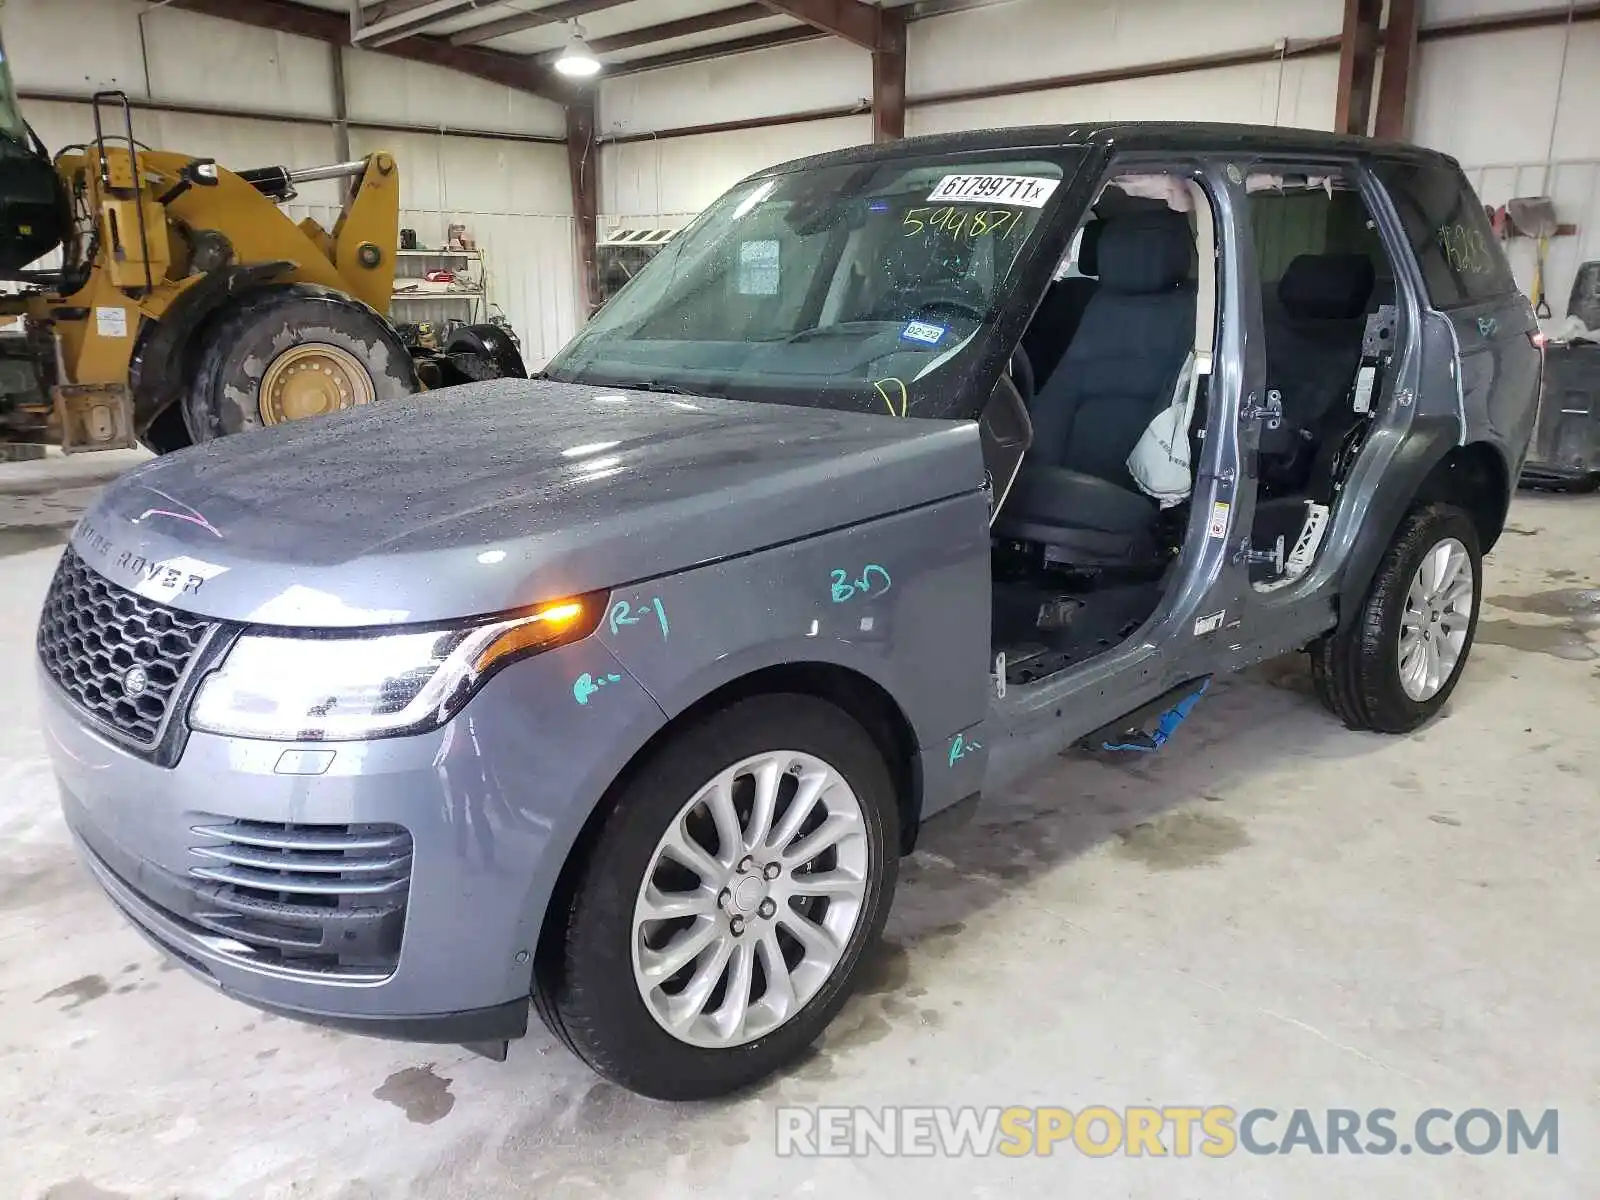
[[33, 210]]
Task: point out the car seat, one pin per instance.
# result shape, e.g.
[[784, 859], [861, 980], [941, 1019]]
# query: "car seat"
[[1074, 494], [1313, 345], [1061, 311]]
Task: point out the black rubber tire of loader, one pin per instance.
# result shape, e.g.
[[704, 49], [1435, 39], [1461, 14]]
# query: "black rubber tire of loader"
[[236, 347], [168, 432]]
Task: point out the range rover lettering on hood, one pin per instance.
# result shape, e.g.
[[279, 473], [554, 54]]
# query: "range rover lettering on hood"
[[153, 578]]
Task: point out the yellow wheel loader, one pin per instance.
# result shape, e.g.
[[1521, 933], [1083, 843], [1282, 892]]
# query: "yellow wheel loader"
[[187, 305]]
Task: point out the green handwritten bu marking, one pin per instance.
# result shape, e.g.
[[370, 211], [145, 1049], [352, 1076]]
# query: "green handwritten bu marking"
[[586, 685], [622, 614], [874, 582]]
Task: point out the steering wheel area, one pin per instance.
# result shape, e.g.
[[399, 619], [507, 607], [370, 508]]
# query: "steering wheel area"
[[949, 300]]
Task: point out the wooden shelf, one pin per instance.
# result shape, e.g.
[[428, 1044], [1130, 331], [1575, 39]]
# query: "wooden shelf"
[[440, 253]]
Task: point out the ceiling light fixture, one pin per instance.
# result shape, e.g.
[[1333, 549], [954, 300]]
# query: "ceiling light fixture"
[[577, 60]]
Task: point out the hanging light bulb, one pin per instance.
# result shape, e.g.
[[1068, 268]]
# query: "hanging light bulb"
[[577, 60]]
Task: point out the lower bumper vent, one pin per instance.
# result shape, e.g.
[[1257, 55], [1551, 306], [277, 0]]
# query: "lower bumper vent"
[[313, 897]]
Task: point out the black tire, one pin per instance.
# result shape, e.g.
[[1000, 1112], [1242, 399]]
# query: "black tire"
[[583, 980], [1357, 671], [235, 349], [167, 433], [491, 342]]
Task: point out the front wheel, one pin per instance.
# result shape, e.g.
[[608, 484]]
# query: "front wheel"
[[290, 352], [1399, 661], [720, 918]]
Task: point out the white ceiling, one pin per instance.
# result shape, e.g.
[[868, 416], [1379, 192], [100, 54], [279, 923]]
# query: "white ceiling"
[[624, 18]]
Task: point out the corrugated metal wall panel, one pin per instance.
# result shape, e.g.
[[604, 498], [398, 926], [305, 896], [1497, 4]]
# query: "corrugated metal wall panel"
[[1032, 39], [644, 183], [514, 198], [1499, 103], [1298, 92], [381, 88], [513, 195]]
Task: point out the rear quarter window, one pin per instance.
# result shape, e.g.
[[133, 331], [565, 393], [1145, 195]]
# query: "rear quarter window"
[[1450, 234]]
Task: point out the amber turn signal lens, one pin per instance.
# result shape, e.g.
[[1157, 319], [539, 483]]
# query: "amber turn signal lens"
[[535, 631]]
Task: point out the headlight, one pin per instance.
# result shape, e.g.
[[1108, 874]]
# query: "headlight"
[[332, 688]]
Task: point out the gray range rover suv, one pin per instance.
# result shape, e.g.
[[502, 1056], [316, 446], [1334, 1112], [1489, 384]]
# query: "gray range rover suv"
[[621, 690]]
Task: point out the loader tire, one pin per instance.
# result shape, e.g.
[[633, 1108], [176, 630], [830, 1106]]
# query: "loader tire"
[[167, 433], [289, 352]]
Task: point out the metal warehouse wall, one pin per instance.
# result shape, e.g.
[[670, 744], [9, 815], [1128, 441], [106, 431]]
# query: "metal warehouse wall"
[[1488, 99], [1521, 123], [512, 194]]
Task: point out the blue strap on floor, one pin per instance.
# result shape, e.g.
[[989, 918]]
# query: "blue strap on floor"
[[1167, 726]]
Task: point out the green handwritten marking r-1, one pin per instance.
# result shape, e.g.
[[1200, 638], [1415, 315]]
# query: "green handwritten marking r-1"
[[586, 685], [963, 746], [622, 615]]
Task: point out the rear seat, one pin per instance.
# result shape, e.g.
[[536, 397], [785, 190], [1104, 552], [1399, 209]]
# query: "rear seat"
[[1313, 337]]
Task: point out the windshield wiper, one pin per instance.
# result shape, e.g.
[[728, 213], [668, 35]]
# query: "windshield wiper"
[[673, 389], [655, 385]]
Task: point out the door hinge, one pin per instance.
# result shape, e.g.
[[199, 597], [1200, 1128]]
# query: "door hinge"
[[1271, 412], [1246, 553]]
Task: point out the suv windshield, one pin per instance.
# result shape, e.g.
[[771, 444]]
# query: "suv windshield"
[[11, 123], [870, 286]]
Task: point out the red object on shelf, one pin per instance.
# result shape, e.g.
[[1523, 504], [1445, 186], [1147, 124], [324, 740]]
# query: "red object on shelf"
[[440, 277]]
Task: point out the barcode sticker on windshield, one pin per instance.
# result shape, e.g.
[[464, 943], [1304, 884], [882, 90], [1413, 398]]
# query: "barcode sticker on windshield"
[[1026, 191]]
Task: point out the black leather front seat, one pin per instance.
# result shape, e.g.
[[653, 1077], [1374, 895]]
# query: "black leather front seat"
[[1061, 311], [1074, 493]]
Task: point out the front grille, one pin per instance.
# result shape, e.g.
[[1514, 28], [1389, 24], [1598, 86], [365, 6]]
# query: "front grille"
[[92, 634], [314, 897]]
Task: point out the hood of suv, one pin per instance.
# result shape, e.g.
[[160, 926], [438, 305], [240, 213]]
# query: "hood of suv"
[[496, 495]]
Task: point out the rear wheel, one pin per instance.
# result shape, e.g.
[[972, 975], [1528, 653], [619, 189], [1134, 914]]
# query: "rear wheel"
[[492, 343], [1402, 657], [720, 918], [283, 354]]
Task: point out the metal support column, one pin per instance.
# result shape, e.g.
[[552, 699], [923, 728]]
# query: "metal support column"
[[889, 78], [583, 163], [1399, 56], [1358, 65]]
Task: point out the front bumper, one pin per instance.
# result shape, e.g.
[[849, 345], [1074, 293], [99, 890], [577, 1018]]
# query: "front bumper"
[[491, 803], [186, 944]]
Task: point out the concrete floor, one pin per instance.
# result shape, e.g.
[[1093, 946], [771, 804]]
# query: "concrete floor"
[[1274, 912]]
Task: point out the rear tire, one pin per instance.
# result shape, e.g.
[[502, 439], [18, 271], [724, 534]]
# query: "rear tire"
[[492, 343], [1360, 672], [284, 353], [589, 984]]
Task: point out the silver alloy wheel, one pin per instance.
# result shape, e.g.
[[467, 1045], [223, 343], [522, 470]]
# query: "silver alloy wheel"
[[1433, 629], [750, 899]]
